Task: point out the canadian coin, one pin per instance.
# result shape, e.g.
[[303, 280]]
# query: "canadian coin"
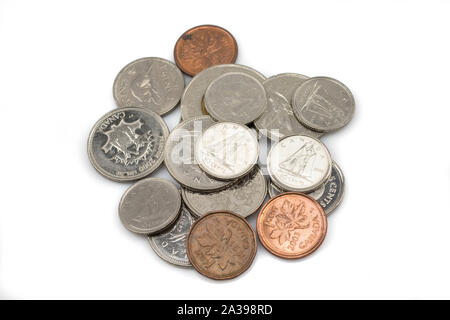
[[227, 150], [152, 83], [285, 84], [221, 245], [179, 155], [299, 163], [171, 245], [274, 190], [291, 225], [191, 100], [149, 206], [323, 104], [127, 143], [243, 197], [235, 97], [204, 46]]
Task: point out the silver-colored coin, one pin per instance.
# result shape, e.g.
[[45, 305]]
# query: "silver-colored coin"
[[244, 197], [227, 150], [191, 100], [152, 83], [127, 143], [150, 206], [179, 155], [278, 120], [235, 97], [171, 245], [323, 104], [299, 163]]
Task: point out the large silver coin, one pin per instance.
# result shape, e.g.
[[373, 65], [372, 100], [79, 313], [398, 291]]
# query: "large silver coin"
[[323, 104], [244, 197], [191, 101], [227, 150], [235, 97], [278, 120], [149, 206], [179, 155], [171, 245], [127, 144], [299, 163], [153, 83]]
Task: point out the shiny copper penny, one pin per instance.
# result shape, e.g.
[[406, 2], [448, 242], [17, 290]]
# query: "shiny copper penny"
[[204, 46], [221, 245], [292, 225]]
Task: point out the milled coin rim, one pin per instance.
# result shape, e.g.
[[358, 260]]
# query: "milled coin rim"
[[340, 196]]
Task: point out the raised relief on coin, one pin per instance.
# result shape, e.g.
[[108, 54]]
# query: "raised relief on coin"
[[243, 197], [323, 104], [221, 245], [127, 144], [235, 97], [152, 83], [171, 245], [227, 150], [204, 46], [299, 163], [292, 225]]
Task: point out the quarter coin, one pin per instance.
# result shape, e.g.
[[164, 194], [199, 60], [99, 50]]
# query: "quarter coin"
[[204, 46], [291, 225], [153, 83], [149, 206], [221, 245], [127, 143]]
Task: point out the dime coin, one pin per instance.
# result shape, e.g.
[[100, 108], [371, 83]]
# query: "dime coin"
[[291, 225], [204, 46], [227, 150], [299, 163], [153, 83], [244, 197], [323, 104], [149, 206], [171, 245], [221, 245], [235, 97], [191, 100], [179, 155], [127, 143]]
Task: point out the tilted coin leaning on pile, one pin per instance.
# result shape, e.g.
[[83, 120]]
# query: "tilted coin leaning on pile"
[[227, 110]]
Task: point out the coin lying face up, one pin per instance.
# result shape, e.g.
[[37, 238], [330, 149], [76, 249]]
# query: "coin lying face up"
[[127, 143], [149, 206], [227, 150], [153, 83]]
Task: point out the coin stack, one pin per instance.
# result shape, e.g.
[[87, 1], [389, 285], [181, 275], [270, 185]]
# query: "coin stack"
[[226, 110]]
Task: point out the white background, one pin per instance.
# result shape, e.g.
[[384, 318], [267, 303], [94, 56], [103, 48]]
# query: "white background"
[[60, 235]]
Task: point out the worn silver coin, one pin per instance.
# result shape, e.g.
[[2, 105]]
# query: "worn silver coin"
[[127, 143], [243, 197], [299, 163], [153, 83], [191, 100], [150, 206], [227, 150], [323, 104], [179, 155], [171, 245], [235, 97]]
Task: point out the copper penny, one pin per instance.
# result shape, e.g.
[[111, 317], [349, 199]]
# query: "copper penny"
[[292, 225], [221, 245], [204, 46]]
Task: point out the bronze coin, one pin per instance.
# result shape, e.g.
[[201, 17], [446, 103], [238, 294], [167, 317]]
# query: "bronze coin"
[[292, 225], [204, 46], [221, 245]]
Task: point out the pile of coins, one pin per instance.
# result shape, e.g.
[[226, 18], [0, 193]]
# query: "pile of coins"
[[214, 155]]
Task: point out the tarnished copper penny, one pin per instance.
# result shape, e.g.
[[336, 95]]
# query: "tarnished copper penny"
[[292, 225], [221, 245], [204, 46]]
